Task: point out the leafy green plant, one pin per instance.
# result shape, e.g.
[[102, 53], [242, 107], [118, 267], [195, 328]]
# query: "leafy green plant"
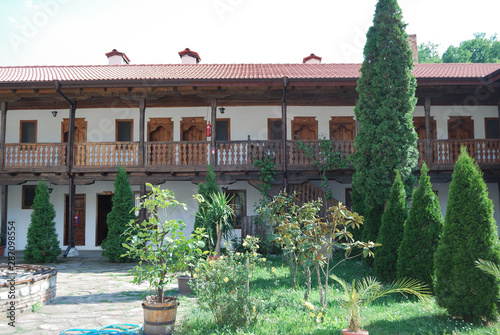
[[216, 212], [221, 286], [327, 158], [206, 190], [361, 293], [118, 219], [159, 243], [266, 174], [42, 244]]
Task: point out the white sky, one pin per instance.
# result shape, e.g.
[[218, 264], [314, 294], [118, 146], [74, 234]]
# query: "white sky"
[[77, 32]]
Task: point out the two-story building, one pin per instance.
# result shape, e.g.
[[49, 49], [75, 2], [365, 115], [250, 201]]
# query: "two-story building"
[[74, 125]]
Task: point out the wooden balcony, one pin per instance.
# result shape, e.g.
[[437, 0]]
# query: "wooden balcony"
[[230, 155]]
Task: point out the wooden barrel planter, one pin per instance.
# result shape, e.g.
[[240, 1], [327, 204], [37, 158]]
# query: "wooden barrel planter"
[[159, 318]]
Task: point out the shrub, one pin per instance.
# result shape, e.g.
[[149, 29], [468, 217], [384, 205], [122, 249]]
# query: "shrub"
[[373, 219], [118, 219], [469, 233], [391, 232], [42, 245], [421, 233], [221, 287]]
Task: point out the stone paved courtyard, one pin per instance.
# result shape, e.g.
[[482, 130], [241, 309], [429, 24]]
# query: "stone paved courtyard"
[[91, 293]]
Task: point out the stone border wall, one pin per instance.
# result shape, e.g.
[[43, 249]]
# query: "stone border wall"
[[34, 284]]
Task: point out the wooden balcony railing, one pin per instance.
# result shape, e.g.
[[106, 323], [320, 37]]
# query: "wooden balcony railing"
[[243, 154], [99, 154], [446, 152], [33, 155], [235, 155], [177, 153]]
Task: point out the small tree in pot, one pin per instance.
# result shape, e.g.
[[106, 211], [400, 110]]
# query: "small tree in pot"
[[162, 250]]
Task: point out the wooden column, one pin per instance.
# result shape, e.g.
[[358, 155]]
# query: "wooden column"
[[499, 112], [69, 167], [284, 148], [5, 197], [3, 129], [142, 123], [357, 124], [428, 145], [142, 212], [213, 155]]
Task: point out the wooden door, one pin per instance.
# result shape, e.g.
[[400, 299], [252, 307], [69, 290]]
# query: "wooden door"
[[193, 129], [160, 129], [460, 128], [304, 128], [80, 227], [419, 124], [342, 128], [80, 130], [104, 206]]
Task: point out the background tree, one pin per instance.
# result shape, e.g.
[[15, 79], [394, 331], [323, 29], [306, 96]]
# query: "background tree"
[[387, 139], [469, 233], [118, 219], [391, 232], [207, 190], [421, 233], [428, 53], [42, 245]]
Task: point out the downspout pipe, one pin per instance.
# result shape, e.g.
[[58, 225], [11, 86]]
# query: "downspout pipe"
[[69, 167]]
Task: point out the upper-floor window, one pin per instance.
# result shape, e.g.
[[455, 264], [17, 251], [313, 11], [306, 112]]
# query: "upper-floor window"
[[304, 128], [460, 128], [342, 128], [124, 130], [27, 133], [419, 123], [491, 126]]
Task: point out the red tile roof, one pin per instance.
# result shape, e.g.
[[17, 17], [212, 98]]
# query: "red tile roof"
[[33, 74]]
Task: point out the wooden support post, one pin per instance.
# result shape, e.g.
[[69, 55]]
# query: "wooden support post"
[[5, 197], [142, 212], [499, 112], [213, 144], [3, 129], [427, 109], [357, 124], [69, 167], [71, 212], [71, 139], [284, 148], [142, 122]]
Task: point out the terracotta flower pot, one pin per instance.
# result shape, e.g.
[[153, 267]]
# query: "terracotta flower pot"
[[354, 332], [183, 283]]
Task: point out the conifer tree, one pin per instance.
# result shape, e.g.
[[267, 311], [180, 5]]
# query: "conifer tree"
[[118, 219], [421, 233], [386, 139], [469, 233], [42, 245], [391, 232], [206, 190]]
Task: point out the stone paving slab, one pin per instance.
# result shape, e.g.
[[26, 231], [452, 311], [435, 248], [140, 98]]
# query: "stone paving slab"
[[91, 293]]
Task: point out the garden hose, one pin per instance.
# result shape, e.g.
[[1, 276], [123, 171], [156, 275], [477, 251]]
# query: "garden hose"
[[121, 329]]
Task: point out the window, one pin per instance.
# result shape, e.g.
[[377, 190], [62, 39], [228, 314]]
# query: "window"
[[342, 128], [124, 130], [491, 126], [419, 124], [222, 130], [238, 203], [28, 132], [28, 196], [274, 129], [304, 128], [460, 128]]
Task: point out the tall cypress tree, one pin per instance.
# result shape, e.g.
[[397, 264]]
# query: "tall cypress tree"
[[42, 245], [120, 215], [391, 232], [469, 233], [421, 233], [386, 139]]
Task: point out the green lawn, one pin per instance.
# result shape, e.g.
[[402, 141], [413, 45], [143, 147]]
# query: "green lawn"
[[285, 313]]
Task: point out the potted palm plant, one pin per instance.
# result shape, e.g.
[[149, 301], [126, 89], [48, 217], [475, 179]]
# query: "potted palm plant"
[[216, 213], [358, 294], [162, 250]]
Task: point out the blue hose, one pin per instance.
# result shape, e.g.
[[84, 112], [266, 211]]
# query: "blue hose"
[[122, 329]]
